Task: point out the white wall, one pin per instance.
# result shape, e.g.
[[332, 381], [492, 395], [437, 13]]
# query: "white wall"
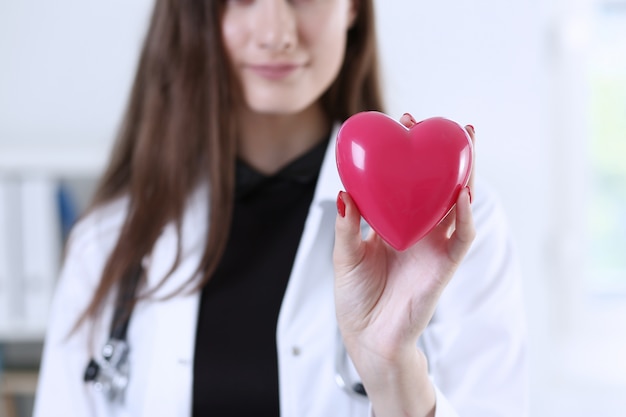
[[67, 66], [517, 72]]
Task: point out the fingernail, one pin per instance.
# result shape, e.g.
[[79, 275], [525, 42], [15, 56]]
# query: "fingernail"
[[469, 193], [341, 205], [411, 118], [472, 127]]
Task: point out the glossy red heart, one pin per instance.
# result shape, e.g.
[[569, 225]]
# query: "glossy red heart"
[[404, 181]]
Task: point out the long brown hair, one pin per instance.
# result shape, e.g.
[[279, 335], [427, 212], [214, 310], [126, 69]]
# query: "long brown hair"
[[179, 130]]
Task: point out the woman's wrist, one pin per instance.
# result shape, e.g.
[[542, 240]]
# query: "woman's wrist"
[[397, 386]]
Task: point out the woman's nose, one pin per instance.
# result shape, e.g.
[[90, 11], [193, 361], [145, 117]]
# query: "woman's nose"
[[275, 26]]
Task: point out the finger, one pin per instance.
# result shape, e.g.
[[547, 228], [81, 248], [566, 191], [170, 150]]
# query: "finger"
[[464, 233], [446, 225], [407, 120], [348, 250], [472, 133]]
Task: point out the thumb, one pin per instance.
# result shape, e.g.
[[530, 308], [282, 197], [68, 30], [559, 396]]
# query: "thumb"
[[348, 251]]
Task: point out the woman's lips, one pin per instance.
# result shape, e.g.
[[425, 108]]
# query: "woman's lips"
[[274, 71]]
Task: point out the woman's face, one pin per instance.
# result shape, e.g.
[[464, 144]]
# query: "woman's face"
[[285, 53]]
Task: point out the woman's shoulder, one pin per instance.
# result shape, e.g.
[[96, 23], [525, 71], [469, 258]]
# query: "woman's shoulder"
[[487, 207], [100, 227], [494, 241], [493, 250]]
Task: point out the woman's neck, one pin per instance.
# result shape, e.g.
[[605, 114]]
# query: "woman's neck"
[[269, 142]]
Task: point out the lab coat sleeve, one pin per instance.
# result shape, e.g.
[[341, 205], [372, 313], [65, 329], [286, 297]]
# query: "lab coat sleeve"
[[443, 406], [61, 390], [475, 343]]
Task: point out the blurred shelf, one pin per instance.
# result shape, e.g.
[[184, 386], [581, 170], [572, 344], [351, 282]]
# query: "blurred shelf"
[[13, 385], [31, 222], [22, 335], [19, 382], [53, 160]]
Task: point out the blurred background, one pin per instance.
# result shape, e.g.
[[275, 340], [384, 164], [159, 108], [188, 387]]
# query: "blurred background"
[[542, 81]]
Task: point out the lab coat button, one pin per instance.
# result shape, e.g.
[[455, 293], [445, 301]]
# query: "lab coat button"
[[295, 351]]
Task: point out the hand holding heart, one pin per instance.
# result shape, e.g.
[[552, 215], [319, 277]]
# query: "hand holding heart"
[[385, 298]]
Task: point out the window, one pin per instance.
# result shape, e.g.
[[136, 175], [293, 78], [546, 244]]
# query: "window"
[[606, 272]]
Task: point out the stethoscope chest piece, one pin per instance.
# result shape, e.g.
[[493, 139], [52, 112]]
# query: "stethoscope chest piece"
[[110, 375]]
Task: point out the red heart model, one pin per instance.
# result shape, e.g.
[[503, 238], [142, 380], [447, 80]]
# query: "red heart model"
[[404, 181]]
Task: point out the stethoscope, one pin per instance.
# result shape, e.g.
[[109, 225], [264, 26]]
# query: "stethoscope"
[[110, 374]]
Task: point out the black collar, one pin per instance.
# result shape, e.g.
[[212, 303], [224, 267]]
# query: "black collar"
[[302, 170]]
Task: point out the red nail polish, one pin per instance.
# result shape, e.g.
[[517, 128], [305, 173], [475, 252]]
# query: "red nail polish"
[[341, 205], [472, 127], [469, 193], [411, 118]]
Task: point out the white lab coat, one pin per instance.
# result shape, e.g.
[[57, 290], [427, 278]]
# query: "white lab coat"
[[475, 343]]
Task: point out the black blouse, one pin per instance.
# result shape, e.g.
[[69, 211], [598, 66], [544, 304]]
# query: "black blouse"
[[235, 362]]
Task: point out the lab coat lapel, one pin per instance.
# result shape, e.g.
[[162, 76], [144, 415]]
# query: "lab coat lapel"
[[307, 329], [323, 205], [169, 390]]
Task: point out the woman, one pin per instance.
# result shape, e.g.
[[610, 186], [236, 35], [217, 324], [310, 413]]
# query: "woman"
[[220, 198]]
